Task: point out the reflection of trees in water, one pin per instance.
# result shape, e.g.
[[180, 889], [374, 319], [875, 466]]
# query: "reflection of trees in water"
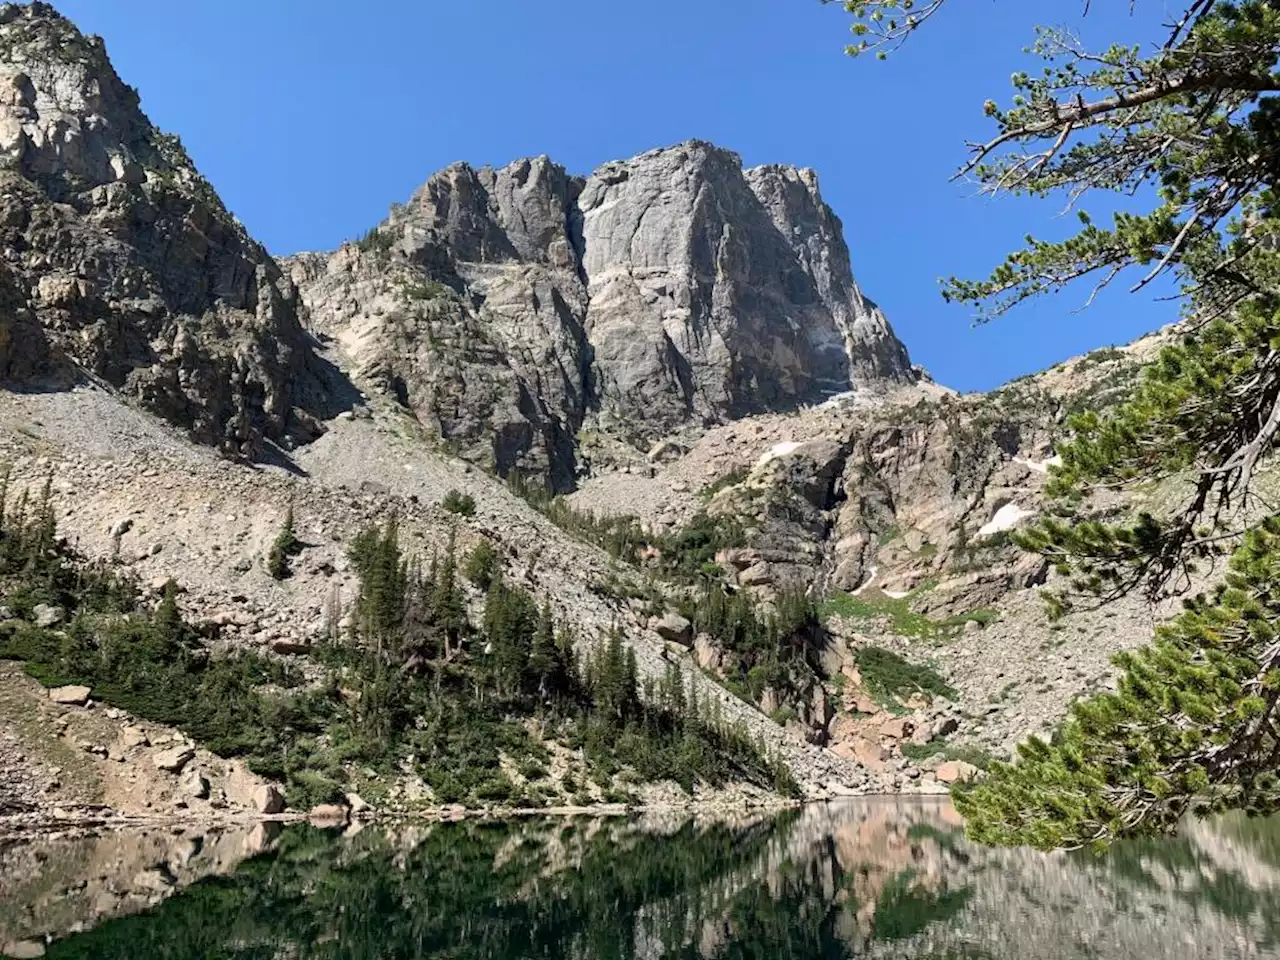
[[875, 879]]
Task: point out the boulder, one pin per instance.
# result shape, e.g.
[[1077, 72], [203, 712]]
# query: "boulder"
[[866, 752], [134, 737], [290, 646], [195, 785], [945, 727], [897, 728], [707, 652], [674, 627], [357, 804], [74, 695], [956, 770], [47, 616], [756, 575], [173, 759], [267, 799], [864, 704]]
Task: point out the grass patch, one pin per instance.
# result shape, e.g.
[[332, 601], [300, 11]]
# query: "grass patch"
[[730, 479], [889, 677], [903, 620]]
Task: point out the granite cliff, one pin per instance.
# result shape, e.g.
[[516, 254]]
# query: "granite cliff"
[[544, 323]]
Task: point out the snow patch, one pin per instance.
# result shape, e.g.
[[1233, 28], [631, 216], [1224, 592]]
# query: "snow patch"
[[837, 400], [1006, 518], [867, 582], [776, 451], [1040, 466], [896, 594]]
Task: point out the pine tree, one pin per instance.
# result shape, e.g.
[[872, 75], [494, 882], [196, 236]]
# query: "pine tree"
[[543, 655], [286, 545], [1194, 116], [448, 608]]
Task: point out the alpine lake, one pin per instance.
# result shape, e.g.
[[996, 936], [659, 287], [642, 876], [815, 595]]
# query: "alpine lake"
[[859, 878]]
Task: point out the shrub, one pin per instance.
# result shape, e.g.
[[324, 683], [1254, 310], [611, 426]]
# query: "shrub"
[[890, 677], [481, 565], [457, 502], [286, 545]]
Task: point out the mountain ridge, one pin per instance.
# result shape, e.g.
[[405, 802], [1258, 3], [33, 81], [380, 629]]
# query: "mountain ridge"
[[661, 290]]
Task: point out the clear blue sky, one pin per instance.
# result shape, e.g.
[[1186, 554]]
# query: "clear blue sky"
[[310, 118]]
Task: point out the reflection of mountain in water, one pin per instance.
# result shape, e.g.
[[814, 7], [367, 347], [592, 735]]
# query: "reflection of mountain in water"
[[866, 878]]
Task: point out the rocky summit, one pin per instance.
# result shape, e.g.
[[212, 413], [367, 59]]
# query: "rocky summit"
[[541, 322], [120, 262], [766, 517]]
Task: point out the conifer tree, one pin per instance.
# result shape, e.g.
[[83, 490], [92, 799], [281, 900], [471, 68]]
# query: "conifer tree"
[[1195, 117], [448, 608], [286, 545]]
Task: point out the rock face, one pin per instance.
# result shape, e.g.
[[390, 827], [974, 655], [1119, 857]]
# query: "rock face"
[[119, 261], [535, 318]]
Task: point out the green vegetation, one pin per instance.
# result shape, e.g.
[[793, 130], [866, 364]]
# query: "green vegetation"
[[421, 290], [376, 241], [413, 682], [148, 661], [768, 647], [286, 545], [724, 482], [903, 620], [1193, 726], [482, 565], [686, 555], [459, 503], [434, 687], [890, 678], [969, 753], [907, 907]]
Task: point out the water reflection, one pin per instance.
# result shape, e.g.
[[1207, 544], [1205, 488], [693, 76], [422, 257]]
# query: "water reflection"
[[876, 878]]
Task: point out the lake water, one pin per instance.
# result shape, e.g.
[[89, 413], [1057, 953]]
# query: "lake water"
[[874, 878]]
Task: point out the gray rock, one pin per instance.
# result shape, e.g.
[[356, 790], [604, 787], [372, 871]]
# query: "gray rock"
[[173, 759], [200, 326], [47, 616], [195, 785], [266, 799], [674, 288], [73, 695], [674, 627]]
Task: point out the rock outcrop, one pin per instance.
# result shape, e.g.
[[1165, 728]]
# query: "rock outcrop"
[[541, 321], [119, 262]]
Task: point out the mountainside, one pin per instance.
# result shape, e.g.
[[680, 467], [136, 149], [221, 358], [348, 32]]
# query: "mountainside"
[[766, 513], [545, 324], [120, 262]]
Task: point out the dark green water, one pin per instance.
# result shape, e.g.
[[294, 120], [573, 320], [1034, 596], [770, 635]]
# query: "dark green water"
[[861, 879]]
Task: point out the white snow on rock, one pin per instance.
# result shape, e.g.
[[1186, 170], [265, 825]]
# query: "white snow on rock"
[[837, 400], [1006, 518], [776, 451], [866, 583], [896, 594], [1039, 466]]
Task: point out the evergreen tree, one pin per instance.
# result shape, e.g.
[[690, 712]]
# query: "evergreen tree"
[[1195, 117], [448, 608], [285, 546], [543, 656]]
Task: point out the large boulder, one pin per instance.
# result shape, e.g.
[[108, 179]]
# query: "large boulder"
[[955, 771], [674, 627], [173, 759], [74, 695]]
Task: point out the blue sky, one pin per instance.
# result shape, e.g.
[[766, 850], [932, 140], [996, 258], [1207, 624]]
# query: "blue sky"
[[311, 118]]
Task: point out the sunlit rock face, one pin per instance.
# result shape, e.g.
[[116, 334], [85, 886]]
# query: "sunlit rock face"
[[517, 308], [119, 262]]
